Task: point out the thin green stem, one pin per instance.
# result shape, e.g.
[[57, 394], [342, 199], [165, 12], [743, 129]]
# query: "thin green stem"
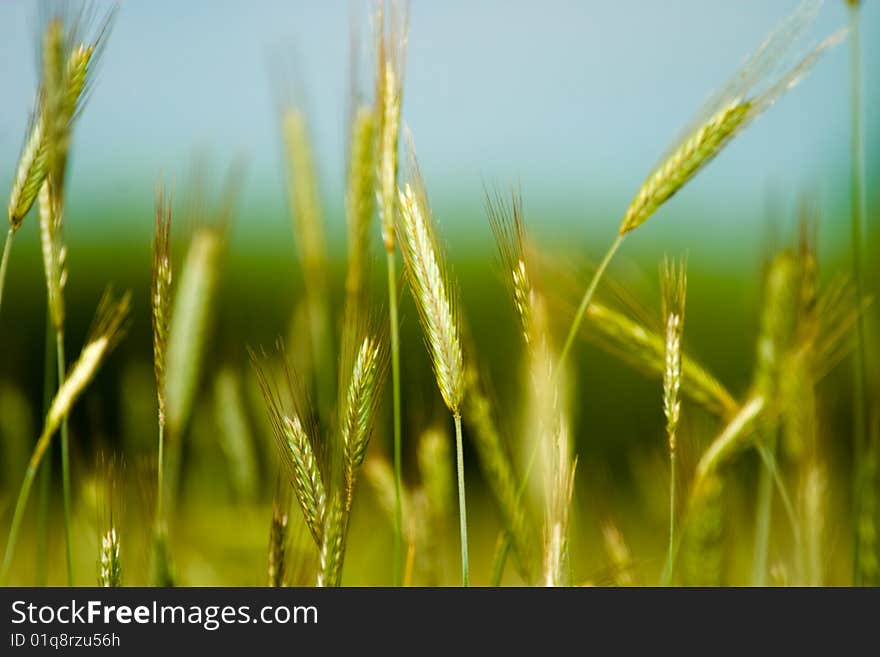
[[857, 146], [585, 301], [160, 468], [17, 517], [45, 471], [4, 262], [398, 448], [670, 554], [462, 506], [65, 461], [40, 449]]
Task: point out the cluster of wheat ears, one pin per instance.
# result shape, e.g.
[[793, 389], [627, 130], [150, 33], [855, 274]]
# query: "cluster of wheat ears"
[[322, 399]]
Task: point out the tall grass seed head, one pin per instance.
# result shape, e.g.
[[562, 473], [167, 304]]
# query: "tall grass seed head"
[[755, 87], [674, 284], [434, 290], [391, 31], [160, 293]]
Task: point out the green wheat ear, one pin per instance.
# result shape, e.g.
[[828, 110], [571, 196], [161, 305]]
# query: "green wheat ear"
[[754, 88], [188, 327]]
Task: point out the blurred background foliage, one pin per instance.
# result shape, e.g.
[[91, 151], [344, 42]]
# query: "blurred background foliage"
[[573, 102]]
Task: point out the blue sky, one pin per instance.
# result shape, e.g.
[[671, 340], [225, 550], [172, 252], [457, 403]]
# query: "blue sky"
[[575, 100]]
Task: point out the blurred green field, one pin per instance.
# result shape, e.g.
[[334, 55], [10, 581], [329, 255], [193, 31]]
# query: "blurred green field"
[[774, 484], [221, 538]]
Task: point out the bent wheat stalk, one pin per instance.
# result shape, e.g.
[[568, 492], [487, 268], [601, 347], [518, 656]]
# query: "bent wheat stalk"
[[65, 63], [105, 334], [753, 89]]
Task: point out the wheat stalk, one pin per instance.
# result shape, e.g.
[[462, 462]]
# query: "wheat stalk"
[[391, 33], [814, 491], [162, 571], [234, 437], [308, 226], [104, 335], [560, 488], [160, 314], [437, 302], [109, 557], [778, 328], [360, 199], [433, 290], [673, 281], [437, 474], [307, 479], [645, 349], [54, 255], [498, 469], [865, 569], [305, 204], [295, 438], [733, 437], [64, 67], [754, 88], [188, 325], [47, 134], [358, 408], [160, 297], [332, 543], [546, 404]]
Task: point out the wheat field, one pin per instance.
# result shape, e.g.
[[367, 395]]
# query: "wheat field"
[[376, 401]]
